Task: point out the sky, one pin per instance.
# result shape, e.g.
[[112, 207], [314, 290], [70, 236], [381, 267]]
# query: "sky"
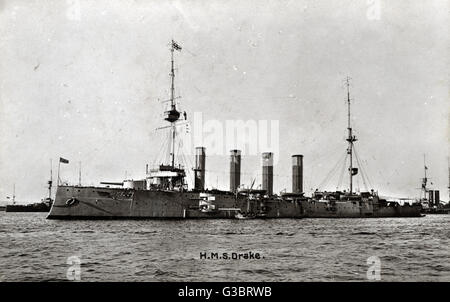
[[84, 80]]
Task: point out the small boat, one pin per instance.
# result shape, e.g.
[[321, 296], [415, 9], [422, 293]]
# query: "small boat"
[[240, 215]]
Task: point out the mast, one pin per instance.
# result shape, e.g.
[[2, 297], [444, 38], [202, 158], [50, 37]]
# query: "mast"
[[14, 193], [79, 174], [172, 115], [350, 139], [172, 77], [173, 145], [50, 181], [172, 104], [425, 179]]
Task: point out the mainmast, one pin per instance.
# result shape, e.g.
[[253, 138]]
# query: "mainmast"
[[350, 139], [172, 115]]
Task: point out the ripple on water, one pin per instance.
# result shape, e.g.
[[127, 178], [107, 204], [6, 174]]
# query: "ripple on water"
[[37, 249]]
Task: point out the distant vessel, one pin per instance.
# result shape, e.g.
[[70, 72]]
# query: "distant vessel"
[[164, 193], [34, 207], [429, 198], [43, 206]]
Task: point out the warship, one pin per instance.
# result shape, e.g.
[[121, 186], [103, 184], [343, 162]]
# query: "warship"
[[164, 193], [43, 206], [430, 198]]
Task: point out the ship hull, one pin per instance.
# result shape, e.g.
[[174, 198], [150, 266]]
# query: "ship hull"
[[108, 203], [27, 208]]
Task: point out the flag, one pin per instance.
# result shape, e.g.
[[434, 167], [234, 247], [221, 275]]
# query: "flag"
[[176, 46], [63, 160]]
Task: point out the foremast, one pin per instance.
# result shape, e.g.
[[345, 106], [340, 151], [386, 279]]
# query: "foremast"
[[350, 139], [168, 176], [173, 114]]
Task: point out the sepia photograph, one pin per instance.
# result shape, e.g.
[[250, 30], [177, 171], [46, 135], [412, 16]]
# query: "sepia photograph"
[[224, 142]]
